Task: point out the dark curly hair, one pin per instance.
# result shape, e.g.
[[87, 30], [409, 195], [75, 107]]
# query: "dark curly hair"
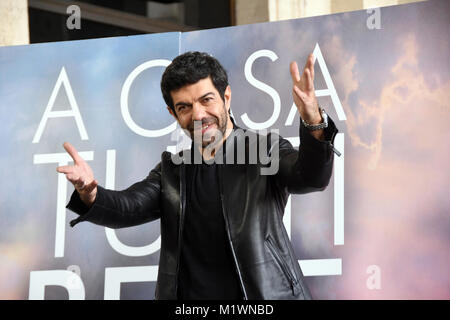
[[189, 68]]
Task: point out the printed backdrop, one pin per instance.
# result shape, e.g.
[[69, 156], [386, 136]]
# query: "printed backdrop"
[[379, 231]]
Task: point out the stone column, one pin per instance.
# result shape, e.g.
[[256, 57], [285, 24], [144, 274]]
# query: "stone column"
[[253, 11], [14, 22]]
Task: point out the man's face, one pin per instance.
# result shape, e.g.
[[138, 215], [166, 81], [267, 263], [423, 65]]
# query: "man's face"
[[201, 103]]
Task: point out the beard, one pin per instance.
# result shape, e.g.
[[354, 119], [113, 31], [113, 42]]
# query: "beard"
[[212, 136]]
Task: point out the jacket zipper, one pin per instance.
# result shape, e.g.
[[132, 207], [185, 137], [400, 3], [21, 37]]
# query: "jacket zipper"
[[180, 229], [332, 146], [334, 149], [282, 263], [227, 226]]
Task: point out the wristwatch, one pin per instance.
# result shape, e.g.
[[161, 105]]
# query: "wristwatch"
[[323, 125]]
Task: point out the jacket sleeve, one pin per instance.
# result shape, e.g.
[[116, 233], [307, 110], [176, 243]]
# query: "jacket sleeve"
[[308, 169], [135, 205]]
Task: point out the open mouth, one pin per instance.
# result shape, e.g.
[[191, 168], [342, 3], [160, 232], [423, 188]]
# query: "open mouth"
[[203, 127], [206, 127]]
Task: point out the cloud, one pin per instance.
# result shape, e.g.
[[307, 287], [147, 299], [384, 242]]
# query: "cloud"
[[406, 89], [18, 257], [344, 63], [397, 176], [400, 193]]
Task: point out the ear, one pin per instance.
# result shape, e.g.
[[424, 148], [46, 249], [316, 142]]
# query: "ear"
[[172, 113], [227, 96]]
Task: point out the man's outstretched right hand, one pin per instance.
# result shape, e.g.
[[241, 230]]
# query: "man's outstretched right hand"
[[80, 175]]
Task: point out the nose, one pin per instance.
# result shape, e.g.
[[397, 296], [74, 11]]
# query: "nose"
[[198, 112]]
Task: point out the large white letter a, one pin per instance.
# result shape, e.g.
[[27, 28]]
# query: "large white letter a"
[[73, 112]]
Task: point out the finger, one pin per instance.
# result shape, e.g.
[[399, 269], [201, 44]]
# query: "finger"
[[72, 152], [64, 169], [308, 62], [294, 72], [91, 186], [308, 80], [313, 61]]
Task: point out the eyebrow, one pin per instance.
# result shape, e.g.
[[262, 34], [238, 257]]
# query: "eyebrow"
[[206, 94], [181, 103]]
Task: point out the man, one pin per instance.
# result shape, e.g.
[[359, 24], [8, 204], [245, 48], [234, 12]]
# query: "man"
[[222, 235]]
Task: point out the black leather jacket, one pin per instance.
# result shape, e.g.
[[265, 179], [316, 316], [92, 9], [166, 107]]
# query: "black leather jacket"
[[253, 207]]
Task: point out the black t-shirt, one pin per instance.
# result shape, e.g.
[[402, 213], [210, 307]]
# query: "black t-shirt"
[[207, 269]]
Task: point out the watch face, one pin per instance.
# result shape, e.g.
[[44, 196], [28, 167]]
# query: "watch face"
[[324, 115]]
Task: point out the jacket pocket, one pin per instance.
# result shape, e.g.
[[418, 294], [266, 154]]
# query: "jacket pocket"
[[282, 264]]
